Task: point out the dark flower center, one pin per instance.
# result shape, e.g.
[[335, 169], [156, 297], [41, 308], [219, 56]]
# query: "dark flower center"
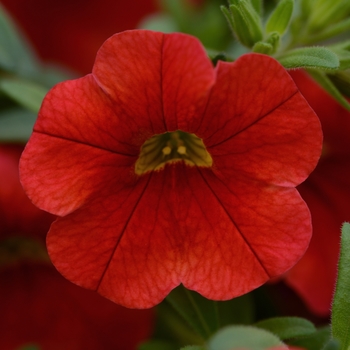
[[172, 147]]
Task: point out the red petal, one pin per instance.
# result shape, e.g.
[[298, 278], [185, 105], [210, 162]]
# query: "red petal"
[[258, 124], [157, 81], [181, 225], [79, 112], [69, 172]]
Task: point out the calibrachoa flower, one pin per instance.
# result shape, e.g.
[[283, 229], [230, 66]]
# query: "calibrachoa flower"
[[327, 193], [38, 306], [166, 170]]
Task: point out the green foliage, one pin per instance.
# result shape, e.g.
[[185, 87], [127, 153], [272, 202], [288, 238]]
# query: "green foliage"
[[157, 345], [244, 21], [314, 341], [324, 80], [16, 55], [16, 124], [332, 344], [26, 93], [341, 81], [203, 319], [287, 327], [205, 21], [280, 17], [23, 82], [243, 337], [160, 22], [341, 302], [310, 57]]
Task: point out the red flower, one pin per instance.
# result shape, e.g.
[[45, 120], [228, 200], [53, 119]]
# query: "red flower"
[[70, 32], [327, 193], [17, 214], [221, 217], [38, 306]]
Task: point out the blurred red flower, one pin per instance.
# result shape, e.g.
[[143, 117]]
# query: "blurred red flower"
[[70, 32], [17, 213], [327, 193], [165, 170], [40, 307]]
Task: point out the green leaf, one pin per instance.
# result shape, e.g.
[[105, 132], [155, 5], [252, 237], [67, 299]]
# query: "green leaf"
[[243, 337], [280, 17], [258, 6], [159, 22], [310, 57], [239, 310], [262, 47], [287, 327], [157, 345], [200, 313], [333, 344], [245, 22], [325, 12], [16, 125], [170, 325], [327, 32], [193, 347], [179, 11], [341, 301], [16, 55], [342, 81], [314, 341], [344, 58], [26, 93], [329, 86]]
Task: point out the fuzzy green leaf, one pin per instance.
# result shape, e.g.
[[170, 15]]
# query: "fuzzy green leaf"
[[245, 22], [287, 327], [314, 341], [243, 337], [310, 57], [341, 301]]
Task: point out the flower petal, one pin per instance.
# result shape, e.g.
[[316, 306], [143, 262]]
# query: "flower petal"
[[158, 81], [266, 130], [59, 175], [177, 225]]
